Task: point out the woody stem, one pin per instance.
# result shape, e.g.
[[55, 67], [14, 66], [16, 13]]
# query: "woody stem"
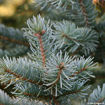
[[42, 50], [39, 36]]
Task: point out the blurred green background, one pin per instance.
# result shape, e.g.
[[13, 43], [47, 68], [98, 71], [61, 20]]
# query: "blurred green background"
[[15, 12]]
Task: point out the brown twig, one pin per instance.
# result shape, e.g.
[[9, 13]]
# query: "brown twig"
[[60, 67], [84, 12], [83, 69], [39, 35], [14, 41], [72, 92], [23, 78], [66, 36]]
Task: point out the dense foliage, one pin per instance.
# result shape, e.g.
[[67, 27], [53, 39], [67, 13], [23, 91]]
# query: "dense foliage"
[[64, 41]]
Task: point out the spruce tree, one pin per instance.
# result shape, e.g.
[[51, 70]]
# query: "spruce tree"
[[64, 42]]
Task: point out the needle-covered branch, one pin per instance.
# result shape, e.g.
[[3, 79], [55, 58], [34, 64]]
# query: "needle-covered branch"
[[55, 72], [71, 38], [13, 42]]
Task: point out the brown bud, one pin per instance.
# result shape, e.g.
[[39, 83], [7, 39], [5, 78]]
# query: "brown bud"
[[43, 32], [37, 34]]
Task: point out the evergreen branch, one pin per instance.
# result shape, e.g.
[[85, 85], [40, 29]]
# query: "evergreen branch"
[[60, 67], [61, 76], [44, 4], [41, 47], [22, 78], [6, 100], [12, 35], [71, 38], [69, 10], [52, 74], [84, 12], [13, 50], [32, 91], [98, 95], [81, 9], [13, 69], [76, 73], [75, 92], [14, 41]]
